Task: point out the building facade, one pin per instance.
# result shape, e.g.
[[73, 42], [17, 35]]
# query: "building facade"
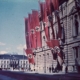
[[69, 14], [14, 62]]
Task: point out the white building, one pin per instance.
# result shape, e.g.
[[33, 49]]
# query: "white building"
[[14, 62]]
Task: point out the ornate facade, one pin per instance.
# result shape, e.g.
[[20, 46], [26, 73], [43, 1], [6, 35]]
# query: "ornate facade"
[[70, 18]]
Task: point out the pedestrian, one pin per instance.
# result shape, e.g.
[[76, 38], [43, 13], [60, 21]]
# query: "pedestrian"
[[52, 69], [49, 69], [63, 67]]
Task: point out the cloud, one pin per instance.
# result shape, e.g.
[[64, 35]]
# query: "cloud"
[[8, 48], [3, 52], [21, 47], [2, 44], [25, 46]]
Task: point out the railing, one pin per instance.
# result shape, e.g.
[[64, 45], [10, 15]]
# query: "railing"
[[36, 76]]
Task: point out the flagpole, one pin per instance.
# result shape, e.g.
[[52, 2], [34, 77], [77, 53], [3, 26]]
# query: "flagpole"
[[37, 53], [44, 57], [23, 58]]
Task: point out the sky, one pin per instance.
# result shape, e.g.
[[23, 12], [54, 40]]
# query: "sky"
[[12, 24]]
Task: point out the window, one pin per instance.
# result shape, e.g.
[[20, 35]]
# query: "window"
[[43, 54], [44, 37], [4, 62], [76, 52], [7, 66], [39, 55], [48, 55], [1, 62], [7, 62], [75, 25], [4, 66]]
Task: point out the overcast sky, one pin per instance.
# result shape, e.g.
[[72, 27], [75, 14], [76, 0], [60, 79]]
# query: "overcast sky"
[[12, 25]]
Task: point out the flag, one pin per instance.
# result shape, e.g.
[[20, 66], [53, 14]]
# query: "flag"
[[35, 22], [56, 9], [51, 6], [45, 13], [60, 31], [60, 55], [36, 18], [38, 30], [48, 8], [63, 34], [49, 43], [55, 42], [46, 20], [41, 10], [27, 33], [51, 46], [46, 23], [30, 55], [59, 27], [57, 50], [47, 33], [55, 3], [32, 31], [54, 54], [38, 37], [33, 38]]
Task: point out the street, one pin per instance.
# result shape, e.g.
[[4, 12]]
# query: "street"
[[2, 77], [8, 75]]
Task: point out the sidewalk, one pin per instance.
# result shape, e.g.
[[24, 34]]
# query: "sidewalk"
[[38, 76]]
